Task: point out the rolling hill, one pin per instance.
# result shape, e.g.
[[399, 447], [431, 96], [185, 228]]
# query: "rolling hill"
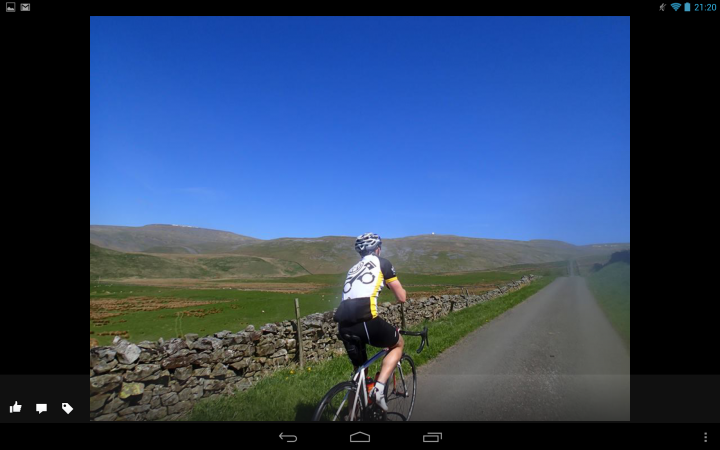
[[111, 264], [166, 239], [179, 252]]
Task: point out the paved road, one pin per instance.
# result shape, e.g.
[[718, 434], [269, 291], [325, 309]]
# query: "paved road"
[[553, 357]]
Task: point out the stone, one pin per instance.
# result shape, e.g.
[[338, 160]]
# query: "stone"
[[207, 343], [98, 401], [217, 356], [174, 346], [203, 372], [243, 385], [202, 359], [104, 383], [239, 366], [242, 338], [185, 395], [141, 372], [149, 345], [180, 408], [106, 418], [135, 410], [131, 389], [183, 373], [101, 354], [179, 360], [156, 414], [313, 321], [214, 385], [147, 396], [114, 406], [149, 356], [266, 348], [127, 353], [102, 367], [198, 392], [219, 371], [169, 399], [160, 377]]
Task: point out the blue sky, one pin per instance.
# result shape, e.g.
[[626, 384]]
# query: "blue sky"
[[504, 128]]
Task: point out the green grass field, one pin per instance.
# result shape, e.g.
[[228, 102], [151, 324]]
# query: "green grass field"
[[232, 309], [292, 394], [611, 288]]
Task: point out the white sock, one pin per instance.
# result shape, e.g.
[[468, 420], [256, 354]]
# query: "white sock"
[[380, 387]]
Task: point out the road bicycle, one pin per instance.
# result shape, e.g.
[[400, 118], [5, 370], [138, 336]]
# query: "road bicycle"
[[350, 401]]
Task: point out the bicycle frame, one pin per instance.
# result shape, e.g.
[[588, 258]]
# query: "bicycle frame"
[[359, 378], [360, 374]]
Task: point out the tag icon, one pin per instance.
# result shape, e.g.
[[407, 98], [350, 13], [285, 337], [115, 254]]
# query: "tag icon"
[[67, 408]]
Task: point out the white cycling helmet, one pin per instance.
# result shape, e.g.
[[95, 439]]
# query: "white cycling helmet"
[[367, 242]]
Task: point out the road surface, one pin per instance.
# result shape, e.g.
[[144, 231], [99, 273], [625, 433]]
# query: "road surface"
[[553, 357]]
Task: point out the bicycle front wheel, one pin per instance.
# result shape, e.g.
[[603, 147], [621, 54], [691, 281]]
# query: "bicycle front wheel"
[[400, 390], [336, 405]]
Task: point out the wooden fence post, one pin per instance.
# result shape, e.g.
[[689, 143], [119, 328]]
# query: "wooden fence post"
[[300, 341]]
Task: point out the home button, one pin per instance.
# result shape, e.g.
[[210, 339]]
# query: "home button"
[[360, 438]]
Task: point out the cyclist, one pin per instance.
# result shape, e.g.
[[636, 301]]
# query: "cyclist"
[[358, 312]]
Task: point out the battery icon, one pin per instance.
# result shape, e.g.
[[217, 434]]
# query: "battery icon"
[[687, 6]]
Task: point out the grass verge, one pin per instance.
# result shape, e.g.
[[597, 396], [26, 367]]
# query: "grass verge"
[[611, 288]]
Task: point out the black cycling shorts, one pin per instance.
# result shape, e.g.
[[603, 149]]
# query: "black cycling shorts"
[[376, 332]]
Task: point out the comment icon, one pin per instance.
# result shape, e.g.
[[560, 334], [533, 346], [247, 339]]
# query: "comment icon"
[[40, 408]]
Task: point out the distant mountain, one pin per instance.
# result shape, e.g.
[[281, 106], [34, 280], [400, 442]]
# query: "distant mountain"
[[333, 254], [166, 239], [111, 264], [422, 254]]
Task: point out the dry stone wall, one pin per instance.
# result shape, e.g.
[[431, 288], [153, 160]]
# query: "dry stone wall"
[[162, 380]]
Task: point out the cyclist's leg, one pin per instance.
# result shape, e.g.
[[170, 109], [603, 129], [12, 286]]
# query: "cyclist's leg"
[[391, 360], [382, 334]]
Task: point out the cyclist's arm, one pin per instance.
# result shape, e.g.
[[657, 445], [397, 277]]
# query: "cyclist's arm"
[[398, 290]]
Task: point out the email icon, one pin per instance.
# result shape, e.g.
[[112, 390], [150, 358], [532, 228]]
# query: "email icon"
[[24, 6]]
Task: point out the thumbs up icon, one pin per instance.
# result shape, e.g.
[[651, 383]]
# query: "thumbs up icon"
[[16, 408]]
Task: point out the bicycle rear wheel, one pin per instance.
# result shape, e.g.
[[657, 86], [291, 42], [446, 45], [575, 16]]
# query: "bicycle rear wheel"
[[400, 390], [335, 406]]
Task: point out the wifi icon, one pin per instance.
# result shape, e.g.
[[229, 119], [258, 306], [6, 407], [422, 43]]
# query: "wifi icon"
[[676, 6]]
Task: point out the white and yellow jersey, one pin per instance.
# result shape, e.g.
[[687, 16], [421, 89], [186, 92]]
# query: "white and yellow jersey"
[[362, 286]]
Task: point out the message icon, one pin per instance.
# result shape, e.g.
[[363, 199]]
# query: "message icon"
[[67, 408], [40, 408]]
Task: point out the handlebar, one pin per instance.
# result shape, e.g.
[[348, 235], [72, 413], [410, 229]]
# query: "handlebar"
[[423, 334]]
